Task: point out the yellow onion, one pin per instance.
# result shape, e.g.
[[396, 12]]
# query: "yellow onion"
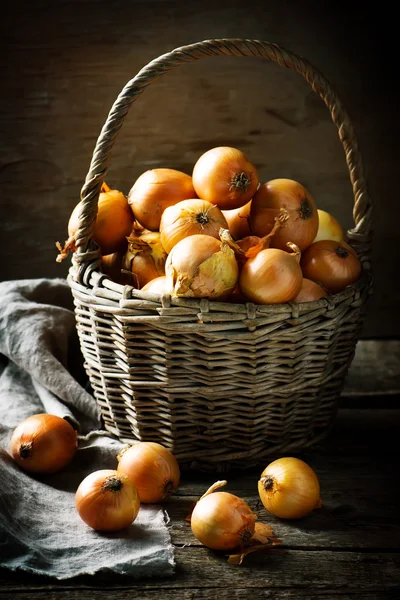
[[111, 265], [107, 500], [145, 258], [310, 291], [113, 223], [200, 266], [153, 469], [190, 217], [222, 521], [289, 488], [238, 221], [272, 276], [329, 228], [154, 191], [156, 286]]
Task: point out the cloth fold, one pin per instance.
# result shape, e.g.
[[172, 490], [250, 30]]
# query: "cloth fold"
[[41, 370]]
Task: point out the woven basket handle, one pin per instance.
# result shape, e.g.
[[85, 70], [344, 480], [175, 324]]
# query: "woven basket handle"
[[360, 236]]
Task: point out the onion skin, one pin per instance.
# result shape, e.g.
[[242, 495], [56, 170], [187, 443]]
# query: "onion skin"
[[154, 191], [43, 444], [238, 221], [289, 488], [200, 266], [310, 291], [156, 286], [153, 469], [334, 265], [302, 225], [225, 177], [145, 258], [190, 217], [329, 228], [107, 500], [113, 222], [222, 521], [271, 277]]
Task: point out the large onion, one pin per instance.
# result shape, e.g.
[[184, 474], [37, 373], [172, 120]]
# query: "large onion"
[[202, 267], [190, 217], [154, 191], [302, 224]]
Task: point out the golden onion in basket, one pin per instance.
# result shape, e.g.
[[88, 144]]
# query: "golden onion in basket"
[[200, 266]]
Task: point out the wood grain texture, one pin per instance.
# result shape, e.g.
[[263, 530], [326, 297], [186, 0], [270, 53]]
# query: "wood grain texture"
[[66, 65], [349, 549]]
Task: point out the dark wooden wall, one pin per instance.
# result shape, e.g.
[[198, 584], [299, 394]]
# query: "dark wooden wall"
[[63, 64]]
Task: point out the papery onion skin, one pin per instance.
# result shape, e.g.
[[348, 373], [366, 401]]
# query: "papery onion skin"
[[201, 267], [238, 221], [334, 265], [310, 291], [302, 224], [289, 488], [225, 177], [153, 469], [113, 223], [222, 521], [144, 259], [190, 217], [43, 444], [329, 228], [156, 286], [271, 277], [107, 500], [154, 191]]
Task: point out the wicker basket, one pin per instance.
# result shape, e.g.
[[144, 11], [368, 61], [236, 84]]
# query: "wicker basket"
[[221, 385]]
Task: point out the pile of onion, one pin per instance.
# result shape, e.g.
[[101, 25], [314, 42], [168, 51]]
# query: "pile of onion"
[[200, 266], [190, 217], [113, 224], [154, 191]]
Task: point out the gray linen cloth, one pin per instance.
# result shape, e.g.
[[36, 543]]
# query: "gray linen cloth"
[[41, 371]]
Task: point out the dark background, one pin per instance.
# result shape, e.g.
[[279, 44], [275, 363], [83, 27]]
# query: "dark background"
[[64, 63]]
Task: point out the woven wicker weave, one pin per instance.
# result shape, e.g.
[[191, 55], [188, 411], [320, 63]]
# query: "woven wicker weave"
[[219, 384]]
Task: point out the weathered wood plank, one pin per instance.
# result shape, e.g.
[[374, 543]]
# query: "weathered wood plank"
[[270, 570]]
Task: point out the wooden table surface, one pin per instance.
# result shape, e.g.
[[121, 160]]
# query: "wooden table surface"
[[349, 549]]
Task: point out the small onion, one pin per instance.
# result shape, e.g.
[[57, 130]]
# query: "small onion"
[[310, 291], [43, 443], [144, 259], [272, 276], [156, 286], [334, 265], [153, 469], [289, 488], [113, 223], [190, 217], [154, 191], [107, 500], [329, 228], [200, 266], [238, 221], [302, 224], [222, 521]]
